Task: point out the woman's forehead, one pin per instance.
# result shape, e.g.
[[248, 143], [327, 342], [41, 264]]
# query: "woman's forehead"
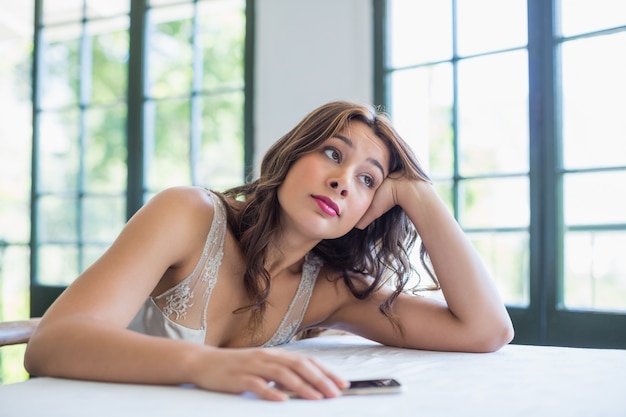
[[358, 134]]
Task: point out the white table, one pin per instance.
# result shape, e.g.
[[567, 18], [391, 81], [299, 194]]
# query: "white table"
[[515, 381]]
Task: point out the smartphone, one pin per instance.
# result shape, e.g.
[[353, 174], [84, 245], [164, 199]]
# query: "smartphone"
[[367, 387], [373, 386]]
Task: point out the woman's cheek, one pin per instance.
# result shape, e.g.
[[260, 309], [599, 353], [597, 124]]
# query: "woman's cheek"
[[365, 206]]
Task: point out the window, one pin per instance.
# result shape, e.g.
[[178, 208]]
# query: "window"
[[15, 154], [516, 109], [128, 98]]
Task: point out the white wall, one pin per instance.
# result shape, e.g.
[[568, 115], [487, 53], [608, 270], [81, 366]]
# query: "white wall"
[[308, 52]]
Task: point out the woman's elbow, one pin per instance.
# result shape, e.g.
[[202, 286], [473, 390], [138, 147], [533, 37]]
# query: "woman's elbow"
[[40, 349], [498, 336], [31, 362], [33, 358]]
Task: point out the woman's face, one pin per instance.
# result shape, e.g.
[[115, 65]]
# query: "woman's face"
[[328, 190]]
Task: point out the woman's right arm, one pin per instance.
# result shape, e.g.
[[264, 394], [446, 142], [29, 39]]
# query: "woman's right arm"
[[84, 334]]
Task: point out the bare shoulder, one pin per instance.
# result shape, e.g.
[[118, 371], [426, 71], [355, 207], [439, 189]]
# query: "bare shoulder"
[[169, 228], [183, 208], [190, 199], [183, 215]]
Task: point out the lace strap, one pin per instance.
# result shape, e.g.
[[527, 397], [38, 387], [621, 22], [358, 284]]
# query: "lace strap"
[[293, 318], [186, 302]]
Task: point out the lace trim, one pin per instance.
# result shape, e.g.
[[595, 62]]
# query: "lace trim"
[[209, 274], [178, 302], [180, 298], [292, 320], [212, 266]]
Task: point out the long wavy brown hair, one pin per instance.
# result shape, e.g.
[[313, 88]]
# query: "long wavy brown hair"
[[380, 251]]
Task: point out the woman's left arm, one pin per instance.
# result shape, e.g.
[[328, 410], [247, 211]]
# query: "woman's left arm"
[[474, 317]]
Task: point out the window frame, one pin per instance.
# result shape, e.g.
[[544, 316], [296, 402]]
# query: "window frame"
[[41, 295], [544, 321]]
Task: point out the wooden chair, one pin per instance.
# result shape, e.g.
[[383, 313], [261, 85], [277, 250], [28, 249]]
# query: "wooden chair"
[[16, 332]]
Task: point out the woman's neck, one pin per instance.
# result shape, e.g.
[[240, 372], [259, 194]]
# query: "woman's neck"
[[285, 254]]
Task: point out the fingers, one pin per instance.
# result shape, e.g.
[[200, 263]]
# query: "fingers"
[[385, 198], [382, 202], [298, 375], [270, 373], [337, 381]]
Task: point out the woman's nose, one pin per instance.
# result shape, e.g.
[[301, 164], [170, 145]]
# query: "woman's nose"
[[339, 187]]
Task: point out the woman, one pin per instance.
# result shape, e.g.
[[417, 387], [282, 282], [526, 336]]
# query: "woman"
[[198, 281]]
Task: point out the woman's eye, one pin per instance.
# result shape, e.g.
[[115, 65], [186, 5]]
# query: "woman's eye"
[[367, 180], [332, 154]]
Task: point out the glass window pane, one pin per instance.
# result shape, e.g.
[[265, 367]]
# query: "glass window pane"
[[507, 257], [490, 25], [494, 202], [12, 362], [595, 270], [168, 160], [105, 153], [59, 66], [422, 113], [14, 276], [58, 264], [15, 137], [55, 11], [580, 16], [103, 218], [99, 8], [14, 303], [15, 183], [594, 87], [493, 114], [419, 32], [157, 3], [14, 220], [170, 51], [222, 25], [59, 154], [110, 58], [57, 219], [595, 198], [221, 163]]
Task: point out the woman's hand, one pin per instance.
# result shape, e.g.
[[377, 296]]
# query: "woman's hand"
[[385, 199], [265, 372], [473, 317]]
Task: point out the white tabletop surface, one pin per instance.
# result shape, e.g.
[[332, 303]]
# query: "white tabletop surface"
[[515, 381]]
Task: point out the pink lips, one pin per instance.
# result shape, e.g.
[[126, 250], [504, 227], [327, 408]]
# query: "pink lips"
[[327, 205]]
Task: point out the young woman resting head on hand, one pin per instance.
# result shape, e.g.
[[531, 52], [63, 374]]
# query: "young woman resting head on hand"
[[200, 285]]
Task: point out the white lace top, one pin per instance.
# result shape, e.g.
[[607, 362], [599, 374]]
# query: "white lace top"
[[180, 312]]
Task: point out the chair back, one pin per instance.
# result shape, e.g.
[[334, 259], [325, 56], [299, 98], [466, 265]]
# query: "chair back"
[[16, 332]]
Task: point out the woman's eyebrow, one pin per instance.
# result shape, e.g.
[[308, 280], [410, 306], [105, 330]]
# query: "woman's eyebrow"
[[372, 161]]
